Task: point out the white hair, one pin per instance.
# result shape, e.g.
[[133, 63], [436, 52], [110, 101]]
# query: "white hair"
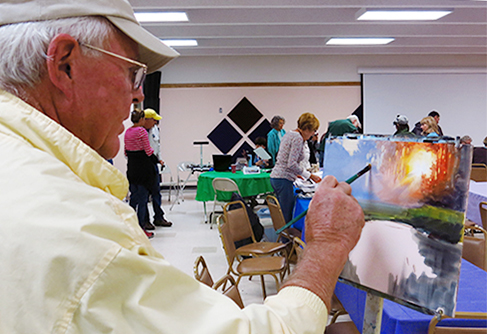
[[354, 119], [24, 45]]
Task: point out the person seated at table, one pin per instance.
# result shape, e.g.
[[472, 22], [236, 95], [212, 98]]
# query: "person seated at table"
[[288, 166], [480, 154], [258, 161]]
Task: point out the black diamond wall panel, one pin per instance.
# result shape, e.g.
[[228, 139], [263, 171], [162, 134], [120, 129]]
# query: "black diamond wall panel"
[[224, 136], [245, 115], [261, 131], [239, 152]]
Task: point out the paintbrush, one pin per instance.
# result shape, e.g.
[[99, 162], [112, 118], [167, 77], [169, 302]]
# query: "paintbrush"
[[302, 214]]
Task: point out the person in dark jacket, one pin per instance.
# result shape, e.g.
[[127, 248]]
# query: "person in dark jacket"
[[480, 154], [338, 128], [402, 127], [417, 127]]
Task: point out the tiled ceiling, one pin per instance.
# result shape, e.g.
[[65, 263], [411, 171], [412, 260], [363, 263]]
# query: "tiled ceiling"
[[301, 27]]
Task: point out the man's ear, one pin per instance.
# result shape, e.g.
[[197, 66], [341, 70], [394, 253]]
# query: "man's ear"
[[61, 53]]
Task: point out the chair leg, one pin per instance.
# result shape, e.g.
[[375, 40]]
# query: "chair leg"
[[336, 315], [277, 281], [263, 286], [238, 279]]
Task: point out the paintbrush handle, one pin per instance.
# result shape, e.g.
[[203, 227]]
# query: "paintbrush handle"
[[302, 214], [295, 219]]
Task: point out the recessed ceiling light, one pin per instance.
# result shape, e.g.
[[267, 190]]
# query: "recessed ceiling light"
[[180, 42], [358, 41], [401, 15], [162, 17]]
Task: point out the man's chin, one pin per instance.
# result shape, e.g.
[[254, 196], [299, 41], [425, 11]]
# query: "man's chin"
[[109, 151]]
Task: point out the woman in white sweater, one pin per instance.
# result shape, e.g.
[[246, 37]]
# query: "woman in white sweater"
[[288, 165]]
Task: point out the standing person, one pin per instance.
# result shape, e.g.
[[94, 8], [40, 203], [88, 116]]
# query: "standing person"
[[140, 168], [274, 136], [429, 127], [313, 149], [288, 166], [466, 140], [338, 128], [436, 116], [402, 127], [151, 119], [73, 257]]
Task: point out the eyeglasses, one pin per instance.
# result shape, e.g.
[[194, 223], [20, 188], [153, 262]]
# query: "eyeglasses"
[[139, 73]]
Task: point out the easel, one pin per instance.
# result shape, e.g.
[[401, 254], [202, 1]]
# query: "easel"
[[200, 168], [201, 143], [374, 306]]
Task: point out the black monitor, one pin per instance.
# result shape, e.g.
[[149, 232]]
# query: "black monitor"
[[221, 162]]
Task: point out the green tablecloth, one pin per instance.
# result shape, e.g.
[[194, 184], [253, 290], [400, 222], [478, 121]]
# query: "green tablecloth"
[[249, 185]]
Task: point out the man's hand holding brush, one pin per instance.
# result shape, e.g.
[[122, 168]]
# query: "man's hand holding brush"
[[333, 226]]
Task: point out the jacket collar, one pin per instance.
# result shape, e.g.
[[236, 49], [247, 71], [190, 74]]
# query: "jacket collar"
[[21, 120]]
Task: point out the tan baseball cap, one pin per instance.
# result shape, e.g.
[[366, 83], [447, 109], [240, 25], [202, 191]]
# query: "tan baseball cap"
[[152, 51]]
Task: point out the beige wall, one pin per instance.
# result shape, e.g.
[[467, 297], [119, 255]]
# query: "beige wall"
[[190, 114]]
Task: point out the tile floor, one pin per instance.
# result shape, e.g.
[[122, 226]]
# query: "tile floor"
[[190, 237]]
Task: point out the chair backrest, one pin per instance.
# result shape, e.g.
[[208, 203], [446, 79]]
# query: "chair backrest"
[[483, 213], [433, 329], [236, 216], [474, 251], [277, 217], [296, 251], [475, 248], [166, 176], [227, 240], [298, 246], [229, 288], [201, 272], [222, 184], [165, 170], [479, 172]]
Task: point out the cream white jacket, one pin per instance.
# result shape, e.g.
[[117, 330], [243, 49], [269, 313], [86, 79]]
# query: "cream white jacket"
[[74, 260]]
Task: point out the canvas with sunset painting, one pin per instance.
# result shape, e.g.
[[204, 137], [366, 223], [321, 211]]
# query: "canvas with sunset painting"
[[414, 200]]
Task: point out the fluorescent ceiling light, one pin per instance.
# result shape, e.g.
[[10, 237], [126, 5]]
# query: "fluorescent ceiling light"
[[358, 41], [180, 42], [162, 17], [402, 15]]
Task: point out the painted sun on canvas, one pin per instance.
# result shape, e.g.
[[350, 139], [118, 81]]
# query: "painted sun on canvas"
[[414, 200]]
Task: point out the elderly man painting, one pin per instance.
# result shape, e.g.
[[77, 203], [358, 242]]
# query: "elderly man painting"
[[73, 258]]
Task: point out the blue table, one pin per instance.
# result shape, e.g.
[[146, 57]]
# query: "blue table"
[[398, 319], [301, 205]]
